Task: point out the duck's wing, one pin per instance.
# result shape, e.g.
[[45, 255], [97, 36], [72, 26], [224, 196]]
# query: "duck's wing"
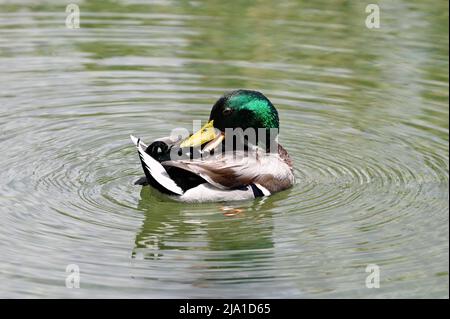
[[237, 169], [155, 173]]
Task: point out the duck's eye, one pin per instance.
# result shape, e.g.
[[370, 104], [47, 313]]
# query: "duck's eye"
[[227, 111]]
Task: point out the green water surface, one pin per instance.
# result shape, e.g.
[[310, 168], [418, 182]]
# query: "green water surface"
[[364, 115]]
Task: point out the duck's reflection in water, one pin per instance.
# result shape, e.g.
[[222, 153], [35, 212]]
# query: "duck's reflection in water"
[[215, 242], [214, 227]]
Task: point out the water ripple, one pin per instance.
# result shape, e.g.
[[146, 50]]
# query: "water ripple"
[[364, 116]]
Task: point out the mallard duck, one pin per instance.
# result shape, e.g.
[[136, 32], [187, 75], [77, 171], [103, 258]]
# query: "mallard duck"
[[211, 166]]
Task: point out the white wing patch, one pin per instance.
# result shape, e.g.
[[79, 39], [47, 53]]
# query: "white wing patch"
[[156, 169], [264, 190]]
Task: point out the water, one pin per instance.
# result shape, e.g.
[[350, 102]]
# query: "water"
[[364, 114]]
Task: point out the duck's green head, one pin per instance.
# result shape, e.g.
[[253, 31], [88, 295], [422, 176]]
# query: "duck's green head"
[[244, 109], [237, 109]]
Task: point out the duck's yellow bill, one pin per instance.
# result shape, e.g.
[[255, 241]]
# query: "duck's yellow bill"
[[204, 135]]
